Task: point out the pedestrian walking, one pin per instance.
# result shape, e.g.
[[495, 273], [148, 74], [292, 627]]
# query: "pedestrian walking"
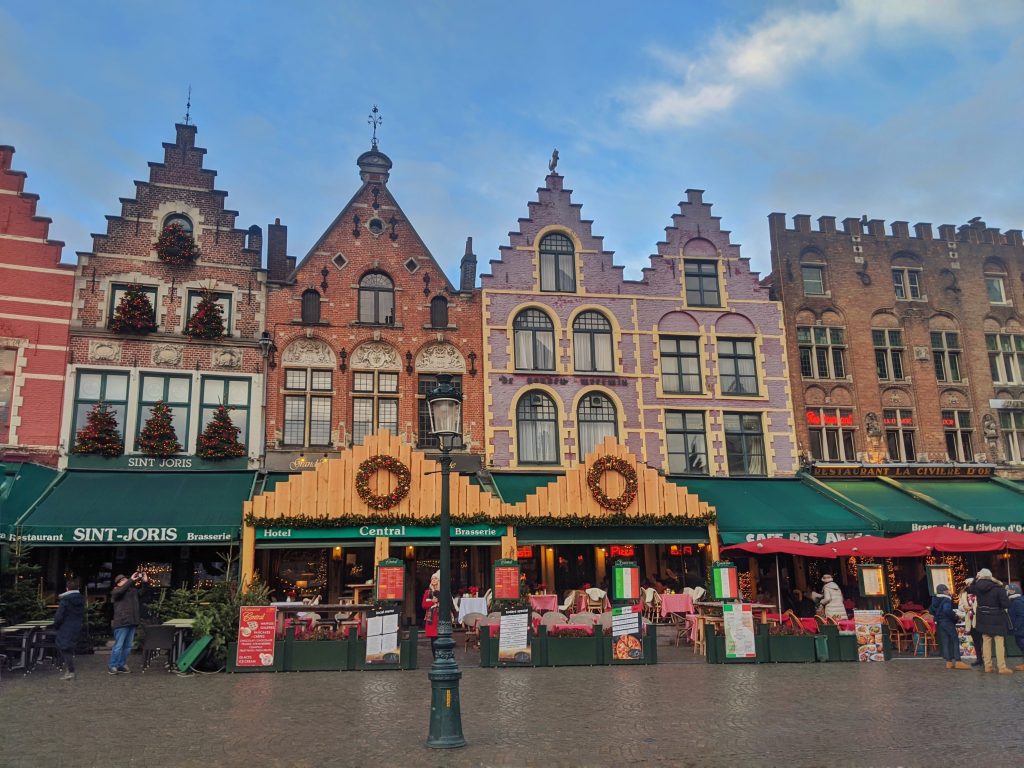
[[832, 599], [431, 598], [126, 619], [1016, 613], [945, 617], [968, 605], [993, 621], [68, 623]]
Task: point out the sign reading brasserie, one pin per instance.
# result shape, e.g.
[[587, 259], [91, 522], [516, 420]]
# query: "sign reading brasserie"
[[125, 535], [901, 470], [391, 531]]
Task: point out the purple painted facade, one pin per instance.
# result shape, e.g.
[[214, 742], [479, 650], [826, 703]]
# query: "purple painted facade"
[[642, 314]]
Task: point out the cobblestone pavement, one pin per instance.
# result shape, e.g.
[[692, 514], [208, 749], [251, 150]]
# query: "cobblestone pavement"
[[908, 712]]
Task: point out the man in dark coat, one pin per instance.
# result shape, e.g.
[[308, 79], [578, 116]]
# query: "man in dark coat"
[[68, 623], [1016, 613], [992, 619], [126, 618]]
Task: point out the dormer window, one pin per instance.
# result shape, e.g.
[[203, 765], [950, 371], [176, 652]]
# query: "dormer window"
[[557, 264], [181, 220]]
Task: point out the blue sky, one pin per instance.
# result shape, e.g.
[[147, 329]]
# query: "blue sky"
[[908, 110]]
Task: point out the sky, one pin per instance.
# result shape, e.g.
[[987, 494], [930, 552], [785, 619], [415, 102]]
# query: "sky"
[[908, 110]]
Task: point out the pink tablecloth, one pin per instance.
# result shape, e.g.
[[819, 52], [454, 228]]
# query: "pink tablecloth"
[[544, 602], [676, 604], [846, 625], [558, 629], [908, 623], [810, 625]]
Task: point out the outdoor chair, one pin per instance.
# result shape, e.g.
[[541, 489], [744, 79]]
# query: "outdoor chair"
[[570, 602], [471, 621], [794, 622], [553, 617], [898, 636], [16, 648], [681, 624], [588, 619], [156, 640], [821, 621], [698, 593], [596, 599], [604, 620], [487, 596], [924, 635], [43, 648], [494, 615]]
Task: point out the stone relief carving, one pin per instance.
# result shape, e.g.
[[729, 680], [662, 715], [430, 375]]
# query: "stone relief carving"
[[103, 351], [167, 354], [378, 355], [308, 352], [442, 358], [226, 357]]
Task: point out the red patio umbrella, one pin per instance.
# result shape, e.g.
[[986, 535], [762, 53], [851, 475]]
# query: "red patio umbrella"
[[942, 539], [780, 546], [876, 546], [1007, 540]]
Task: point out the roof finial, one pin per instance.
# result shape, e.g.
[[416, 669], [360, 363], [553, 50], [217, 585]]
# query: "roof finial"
[[553, 163], [375, 120], [188, 106]]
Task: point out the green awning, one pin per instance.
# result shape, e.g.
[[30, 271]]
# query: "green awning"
[[273, 478], [899, 512], [514, 487], [612, 534], [750, 509], [20, 486], [145, 508], [994, 506]]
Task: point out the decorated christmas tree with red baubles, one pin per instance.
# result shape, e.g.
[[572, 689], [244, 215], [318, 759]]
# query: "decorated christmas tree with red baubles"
[[134, 312], [220, 438], [207, 322], [100, 434], [158, 437], [176, 246]]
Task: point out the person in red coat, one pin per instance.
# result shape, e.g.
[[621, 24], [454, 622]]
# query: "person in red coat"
[[431, 598]]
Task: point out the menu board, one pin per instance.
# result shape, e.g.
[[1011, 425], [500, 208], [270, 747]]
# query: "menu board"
[[257, 625], [871, 577], [939, 574], [627, 635], [382, 637], [390, 580], [724, 582], [738, 623], [514, 636], [506, 580], [868, 627], [625, 580], [967, 650]]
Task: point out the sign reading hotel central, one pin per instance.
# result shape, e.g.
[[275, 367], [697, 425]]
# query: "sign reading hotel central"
[[901, 470], [390, 531]]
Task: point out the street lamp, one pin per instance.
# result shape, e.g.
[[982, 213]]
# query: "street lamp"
[[445, 404]]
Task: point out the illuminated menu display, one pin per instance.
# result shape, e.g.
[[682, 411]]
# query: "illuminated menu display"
[[390, 580], [506, 580]]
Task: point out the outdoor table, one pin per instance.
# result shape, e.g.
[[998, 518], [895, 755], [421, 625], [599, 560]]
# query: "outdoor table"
[[468, 605], [359, 589], [703, 619], [286, 608], [846, 625], [544, 603], [907, 623], [180, 626], [675, 604]]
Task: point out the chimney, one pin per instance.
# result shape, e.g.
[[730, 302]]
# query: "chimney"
[[467, 269], [277, 251]]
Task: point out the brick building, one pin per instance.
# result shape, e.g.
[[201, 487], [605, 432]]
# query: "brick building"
[[362, 326], [686, 366], [35, 312], [903, 348]]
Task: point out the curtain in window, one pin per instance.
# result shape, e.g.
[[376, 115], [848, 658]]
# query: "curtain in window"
[[524, 350], [547, 272], [581, 351], [566, 274], [537, 442], [592, 434], [545, 351]]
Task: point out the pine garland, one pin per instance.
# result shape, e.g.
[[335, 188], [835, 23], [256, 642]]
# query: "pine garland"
[[208, 320], [611, 521], [134, 312], [220, 438], [100, 434], [158, 437], [177, 247]]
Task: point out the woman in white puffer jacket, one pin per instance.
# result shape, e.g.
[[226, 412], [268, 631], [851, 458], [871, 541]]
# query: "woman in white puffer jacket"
[[832, 598]]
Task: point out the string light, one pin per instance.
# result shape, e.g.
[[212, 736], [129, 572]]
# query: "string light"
[[890, 579], [745, 586]]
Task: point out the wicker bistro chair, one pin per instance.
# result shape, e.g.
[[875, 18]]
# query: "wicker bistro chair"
[[596, 600], [794, 622], [588, 619], [821, 621], [924, 635], [898, 636], [681, 625], [471, 621], [570, 602], [604, 620], [553, 617]]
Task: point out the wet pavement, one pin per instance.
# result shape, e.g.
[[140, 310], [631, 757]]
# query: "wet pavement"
[[678, 713]]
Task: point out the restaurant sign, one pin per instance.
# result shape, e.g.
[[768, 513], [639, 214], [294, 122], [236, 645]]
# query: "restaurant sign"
[[154, 464], [373, 531], [125, 535], [805, 537], [922, 471]]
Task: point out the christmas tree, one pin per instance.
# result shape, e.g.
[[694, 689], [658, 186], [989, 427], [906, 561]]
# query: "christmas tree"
[[100, 433], [134, 313], [176, 246], [158, 437], [220, 438], [208, 320]]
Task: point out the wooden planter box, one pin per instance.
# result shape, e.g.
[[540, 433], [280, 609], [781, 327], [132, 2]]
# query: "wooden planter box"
[[716, 647], [572, 651], [791, 648], [316, 655], [277, 666], [407, 654]]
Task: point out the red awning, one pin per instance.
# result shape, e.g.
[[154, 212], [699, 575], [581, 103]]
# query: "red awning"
[[875, 546], [942, 539], [780, 546], [1006, 540]]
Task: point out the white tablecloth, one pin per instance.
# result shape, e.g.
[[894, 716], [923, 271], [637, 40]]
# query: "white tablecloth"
[[469, 605]]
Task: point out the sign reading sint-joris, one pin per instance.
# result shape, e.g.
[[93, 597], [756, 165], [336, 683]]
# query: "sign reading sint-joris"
[[118, 535]]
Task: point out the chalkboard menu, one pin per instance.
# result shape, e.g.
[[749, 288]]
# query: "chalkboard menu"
[[257, 625], [390, 580], [506, 579]]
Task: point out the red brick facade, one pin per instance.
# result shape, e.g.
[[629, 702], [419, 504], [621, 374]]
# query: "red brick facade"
[[361, 326], [35, 311], [179, 189], [912, 321]]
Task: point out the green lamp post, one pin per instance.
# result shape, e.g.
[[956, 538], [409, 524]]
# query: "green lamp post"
[[445, 404]]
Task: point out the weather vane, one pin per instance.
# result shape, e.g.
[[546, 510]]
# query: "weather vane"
[[375, 120], [188, 106]]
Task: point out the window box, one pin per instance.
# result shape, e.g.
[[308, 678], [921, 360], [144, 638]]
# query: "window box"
[[277, 666]]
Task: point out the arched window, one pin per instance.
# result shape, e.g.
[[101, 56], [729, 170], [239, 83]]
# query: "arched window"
[[537, 429], [439, 312], [376, 299], [310, 306], [534, 340], [557, 264], [181, 220], [592, 342], [596, 419]]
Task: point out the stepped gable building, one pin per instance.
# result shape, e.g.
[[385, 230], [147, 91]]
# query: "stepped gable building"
[[903, 347], [35, 312], [130, 370], [363, 326], [686, 366]]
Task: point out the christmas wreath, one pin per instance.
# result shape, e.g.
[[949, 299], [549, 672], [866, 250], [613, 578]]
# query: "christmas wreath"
[[373, 465], [613, 464], [176, 246]]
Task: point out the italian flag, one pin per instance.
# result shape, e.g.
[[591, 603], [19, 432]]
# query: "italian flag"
[[725, 584], [627, 583]]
